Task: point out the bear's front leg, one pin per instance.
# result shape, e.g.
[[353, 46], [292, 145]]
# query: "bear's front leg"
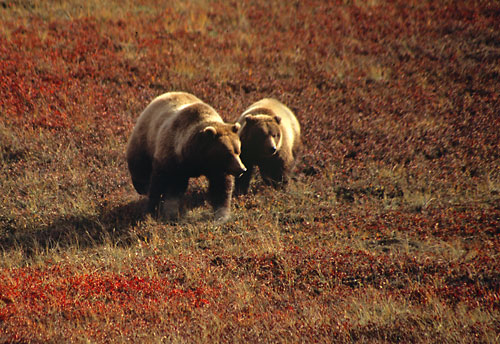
[[274, 172], [242, 183], [220, 191], [165, 193]]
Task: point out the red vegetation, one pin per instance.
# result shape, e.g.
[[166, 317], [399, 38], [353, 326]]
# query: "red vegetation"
[[122, 300]]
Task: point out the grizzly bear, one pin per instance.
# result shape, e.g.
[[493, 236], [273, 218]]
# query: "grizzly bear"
[[177, 137], [270, 139]]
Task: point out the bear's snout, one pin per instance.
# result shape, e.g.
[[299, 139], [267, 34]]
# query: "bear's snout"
[[237, 168], [270, 146], [241, 170]]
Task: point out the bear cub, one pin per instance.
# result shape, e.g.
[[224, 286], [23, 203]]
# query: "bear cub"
[[177, 137], [270, 139]]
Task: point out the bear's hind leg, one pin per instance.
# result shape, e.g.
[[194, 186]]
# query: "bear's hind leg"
[[140, 170], [220, 192]]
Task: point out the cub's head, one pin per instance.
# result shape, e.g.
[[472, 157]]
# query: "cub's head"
[[261, 134], [218, 148]]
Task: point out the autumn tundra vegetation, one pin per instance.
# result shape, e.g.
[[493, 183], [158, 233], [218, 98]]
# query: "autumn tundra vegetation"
[[387, 231]]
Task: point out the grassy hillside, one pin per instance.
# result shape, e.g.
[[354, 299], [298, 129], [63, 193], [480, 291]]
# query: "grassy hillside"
[[389, 231]]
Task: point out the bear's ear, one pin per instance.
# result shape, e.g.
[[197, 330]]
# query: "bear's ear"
[[210, 131], [236, 127], [250, 118], [277, 119]]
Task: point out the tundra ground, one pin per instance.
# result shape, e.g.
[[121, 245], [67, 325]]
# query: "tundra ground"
[[389, 231]]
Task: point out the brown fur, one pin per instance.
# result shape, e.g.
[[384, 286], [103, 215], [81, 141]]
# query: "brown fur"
[[270, 139], [178, 137]]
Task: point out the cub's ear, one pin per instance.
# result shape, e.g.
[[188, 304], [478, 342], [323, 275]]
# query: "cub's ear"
[[250, 118], [210, 131], [277, 119], [236, 127]]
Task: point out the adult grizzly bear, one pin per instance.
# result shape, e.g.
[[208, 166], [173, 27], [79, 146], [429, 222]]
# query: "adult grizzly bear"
[[270, 139], [178, 137]]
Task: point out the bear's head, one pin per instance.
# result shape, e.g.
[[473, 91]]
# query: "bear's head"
[[217, 149], [261, 135]]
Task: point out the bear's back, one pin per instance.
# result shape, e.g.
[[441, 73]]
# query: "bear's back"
[[167, 123], [173, 115], [166, 108], [273, 107]]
